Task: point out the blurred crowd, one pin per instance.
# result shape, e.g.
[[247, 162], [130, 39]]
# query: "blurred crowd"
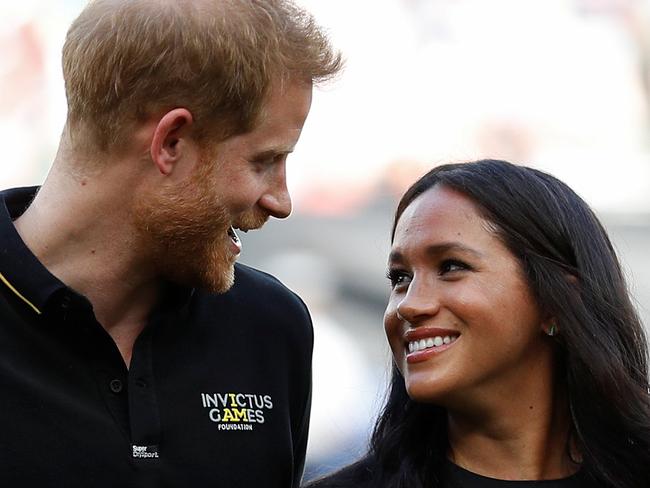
[[562, 85]]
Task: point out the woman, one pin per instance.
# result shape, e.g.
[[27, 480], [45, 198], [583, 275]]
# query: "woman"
[[517, 352]]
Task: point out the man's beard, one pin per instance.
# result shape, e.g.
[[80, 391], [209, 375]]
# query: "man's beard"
[[185, 231]]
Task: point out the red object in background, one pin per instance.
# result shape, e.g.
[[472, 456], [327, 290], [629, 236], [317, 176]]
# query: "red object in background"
[[21, 67]]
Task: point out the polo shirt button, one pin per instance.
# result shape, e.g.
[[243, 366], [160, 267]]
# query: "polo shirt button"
[[65, 302], [141, 383], [115, 386]]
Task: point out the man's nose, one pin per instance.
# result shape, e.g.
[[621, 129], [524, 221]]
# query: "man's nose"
[[276, 200]]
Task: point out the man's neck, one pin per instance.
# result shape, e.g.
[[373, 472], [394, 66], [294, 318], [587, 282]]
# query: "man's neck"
[[97, 257]]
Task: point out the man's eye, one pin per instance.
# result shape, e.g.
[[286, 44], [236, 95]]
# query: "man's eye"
[[269, 160], [397, 277], [452, 265], [264, 162]]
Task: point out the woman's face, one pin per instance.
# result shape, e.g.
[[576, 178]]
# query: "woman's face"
[[461, 321]]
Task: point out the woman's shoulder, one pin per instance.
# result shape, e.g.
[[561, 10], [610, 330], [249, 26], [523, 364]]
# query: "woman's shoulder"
[[355, 475]]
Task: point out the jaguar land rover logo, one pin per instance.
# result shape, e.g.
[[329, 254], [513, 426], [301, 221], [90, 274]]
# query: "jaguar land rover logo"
[[236, 411]]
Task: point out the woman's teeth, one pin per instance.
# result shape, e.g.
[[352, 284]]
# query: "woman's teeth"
[[430, 342]]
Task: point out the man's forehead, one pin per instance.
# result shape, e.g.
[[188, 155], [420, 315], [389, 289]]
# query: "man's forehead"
[[294, 91]]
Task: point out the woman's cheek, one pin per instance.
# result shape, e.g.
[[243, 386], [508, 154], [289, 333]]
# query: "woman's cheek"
[[392, 329]]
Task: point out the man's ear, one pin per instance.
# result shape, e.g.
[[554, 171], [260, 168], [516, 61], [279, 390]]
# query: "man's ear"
[[169, 136]]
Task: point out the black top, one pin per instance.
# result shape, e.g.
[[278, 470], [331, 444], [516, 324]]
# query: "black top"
[[217, 393], [457, 477], [362, 475]]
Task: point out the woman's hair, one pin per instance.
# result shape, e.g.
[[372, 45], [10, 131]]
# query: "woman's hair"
[[572, 270]]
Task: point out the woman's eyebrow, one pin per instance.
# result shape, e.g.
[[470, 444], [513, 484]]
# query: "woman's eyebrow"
[[395, 257], [442, 247], [436, 250]]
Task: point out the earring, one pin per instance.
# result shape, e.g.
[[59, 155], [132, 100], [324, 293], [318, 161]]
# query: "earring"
[[552, 330]]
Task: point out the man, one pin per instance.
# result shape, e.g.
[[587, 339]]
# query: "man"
[[128, 358]]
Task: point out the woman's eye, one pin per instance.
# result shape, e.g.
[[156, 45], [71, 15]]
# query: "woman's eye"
[[451, 265], [397, 277]]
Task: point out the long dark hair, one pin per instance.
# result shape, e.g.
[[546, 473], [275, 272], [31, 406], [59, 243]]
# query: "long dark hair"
[[572, 270]]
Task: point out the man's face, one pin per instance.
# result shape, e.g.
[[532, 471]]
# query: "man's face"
[[237, 184]]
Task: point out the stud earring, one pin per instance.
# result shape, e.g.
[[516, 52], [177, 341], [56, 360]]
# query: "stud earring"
[[552, 330]]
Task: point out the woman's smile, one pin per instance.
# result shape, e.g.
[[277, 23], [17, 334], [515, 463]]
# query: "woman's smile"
[[425, 342], [461, 320]]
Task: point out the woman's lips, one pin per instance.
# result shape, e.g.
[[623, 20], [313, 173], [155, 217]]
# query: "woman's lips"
[[423, 343]]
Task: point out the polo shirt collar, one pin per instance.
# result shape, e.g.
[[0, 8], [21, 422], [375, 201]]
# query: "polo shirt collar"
[[20, 270]]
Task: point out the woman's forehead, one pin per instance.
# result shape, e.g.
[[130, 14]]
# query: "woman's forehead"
[[444, 218], [439, 205]]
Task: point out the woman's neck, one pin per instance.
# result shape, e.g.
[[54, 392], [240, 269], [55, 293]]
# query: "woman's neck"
[[525, 438]]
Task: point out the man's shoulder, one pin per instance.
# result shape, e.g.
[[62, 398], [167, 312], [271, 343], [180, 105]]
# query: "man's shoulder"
[[258, 297], [260, 285], [248, 276]]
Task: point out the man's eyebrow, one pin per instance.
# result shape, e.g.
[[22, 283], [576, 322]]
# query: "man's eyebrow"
[[272, 152], [436, 249]]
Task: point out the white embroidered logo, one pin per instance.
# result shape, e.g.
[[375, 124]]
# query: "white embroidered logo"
[[145, 452], [236, 411]]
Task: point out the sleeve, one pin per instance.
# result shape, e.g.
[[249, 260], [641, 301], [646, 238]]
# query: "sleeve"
[[301, 444], [301, 434]]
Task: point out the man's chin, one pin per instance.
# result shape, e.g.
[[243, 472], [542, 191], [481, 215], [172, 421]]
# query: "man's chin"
[[218, 282], [208, 280]]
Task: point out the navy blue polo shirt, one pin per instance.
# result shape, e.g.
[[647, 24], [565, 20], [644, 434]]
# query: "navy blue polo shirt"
[[217, 394]]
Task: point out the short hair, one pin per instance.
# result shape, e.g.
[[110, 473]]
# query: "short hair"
[[125, 60]]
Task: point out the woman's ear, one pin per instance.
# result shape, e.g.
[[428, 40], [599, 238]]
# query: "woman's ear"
[[549, 325], [168, 139], [572, 279]]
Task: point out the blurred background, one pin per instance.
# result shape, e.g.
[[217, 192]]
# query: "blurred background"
[[561, 85]]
